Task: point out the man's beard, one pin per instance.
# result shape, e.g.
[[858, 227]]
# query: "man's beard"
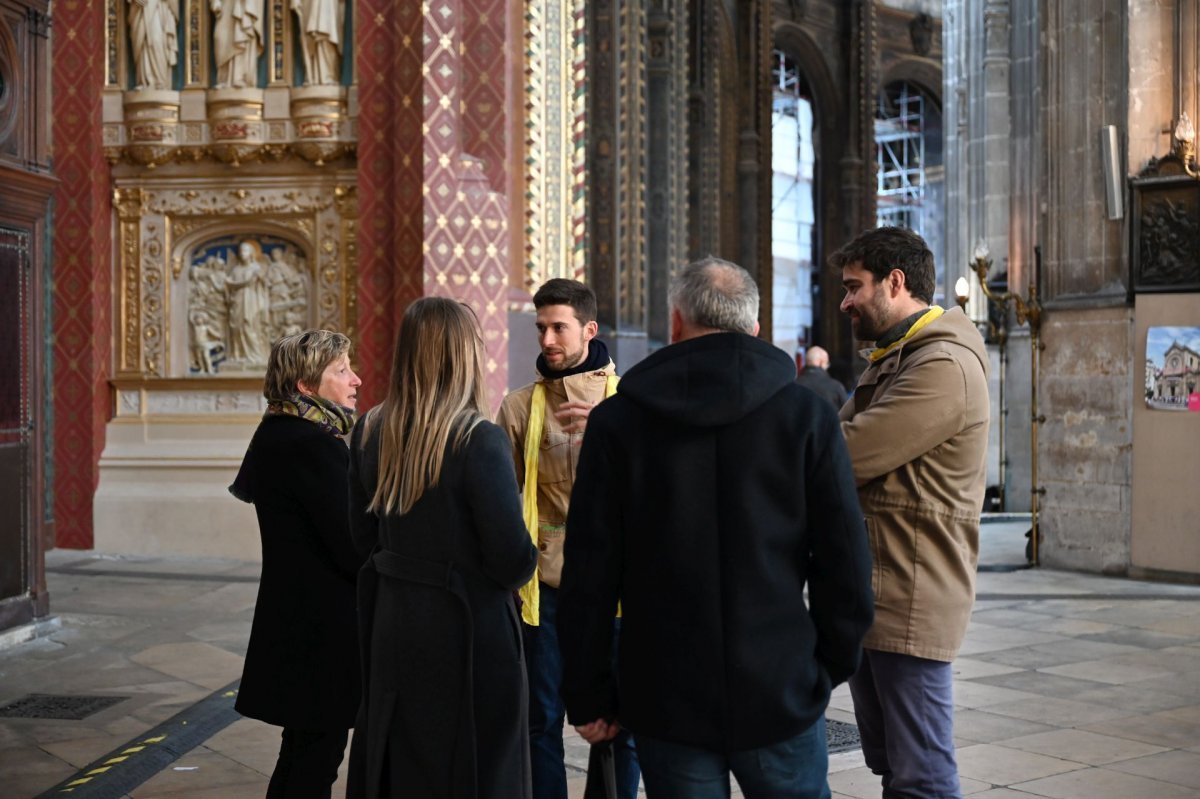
[[871, 320]]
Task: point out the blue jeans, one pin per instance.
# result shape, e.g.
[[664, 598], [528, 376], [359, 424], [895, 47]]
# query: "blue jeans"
[[543, 660], [794, 768], [904, 707]]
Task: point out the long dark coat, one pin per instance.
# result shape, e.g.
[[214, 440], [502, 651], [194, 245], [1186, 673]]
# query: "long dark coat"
[[717, 492], [302, 667], [445, 712]]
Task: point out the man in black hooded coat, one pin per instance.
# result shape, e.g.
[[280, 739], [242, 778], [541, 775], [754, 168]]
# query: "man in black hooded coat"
[[711, 491]]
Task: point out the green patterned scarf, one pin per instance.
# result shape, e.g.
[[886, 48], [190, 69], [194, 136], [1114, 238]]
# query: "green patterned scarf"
[[332, 417]]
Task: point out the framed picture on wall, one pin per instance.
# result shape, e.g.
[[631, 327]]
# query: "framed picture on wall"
[[1173, 369]]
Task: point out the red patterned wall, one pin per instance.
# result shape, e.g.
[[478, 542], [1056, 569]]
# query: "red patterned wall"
[[430, 225], [389, 181], [484, 86], [82, 268]]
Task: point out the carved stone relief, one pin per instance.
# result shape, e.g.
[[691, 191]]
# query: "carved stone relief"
[[140, 402], [210, 277], [243, 293], [1166, 229]]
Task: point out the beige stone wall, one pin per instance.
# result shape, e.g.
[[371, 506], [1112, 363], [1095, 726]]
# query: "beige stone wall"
[[1085, 445], [1151, 80]]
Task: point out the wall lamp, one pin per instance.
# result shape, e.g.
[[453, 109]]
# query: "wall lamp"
[[1027, 310], [962, 292]]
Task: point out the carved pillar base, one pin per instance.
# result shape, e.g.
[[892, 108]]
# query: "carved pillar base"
[[151, 125], [319, 114], [236, 124]]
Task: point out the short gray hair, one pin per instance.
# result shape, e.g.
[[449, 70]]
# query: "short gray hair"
[[301, 358], [717, 295]]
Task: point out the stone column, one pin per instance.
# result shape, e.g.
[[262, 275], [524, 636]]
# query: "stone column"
[[616, 168], [431, 222], [1084, 384], [754, 150], [666, 158], [82, 312]]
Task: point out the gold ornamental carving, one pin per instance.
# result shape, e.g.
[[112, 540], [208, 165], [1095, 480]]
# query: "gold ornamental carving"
[[184, 311], [241, 201]]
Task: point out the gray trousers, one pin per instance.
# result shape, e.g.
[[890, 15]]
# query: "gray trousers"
[[904, 707]]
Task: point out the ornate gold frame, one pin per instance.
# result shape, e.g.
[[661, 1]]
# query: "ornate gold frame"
[[157, 225]]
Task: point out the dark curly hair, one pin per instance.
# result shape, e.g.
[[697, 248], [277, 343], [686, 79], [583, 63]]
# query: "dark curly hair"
[[881, 250]]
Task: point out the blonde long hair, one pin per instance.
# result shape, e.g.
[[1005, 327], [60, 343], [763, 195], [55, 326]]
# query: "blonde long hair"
[[435, 398]]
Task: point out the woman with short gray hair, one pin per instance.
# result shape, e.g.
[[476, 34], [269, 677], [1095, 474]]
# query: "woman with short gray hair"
[[302, 667]]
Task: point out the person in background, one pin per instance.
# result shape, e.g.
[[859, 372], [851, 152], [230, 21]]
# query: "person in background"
[[434, 498], [302, 670], [816, 379], [917, 430]]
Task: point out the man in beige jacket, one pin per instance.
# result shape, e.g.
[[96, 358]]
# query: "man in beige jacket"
[[545, 421], [916, 427]]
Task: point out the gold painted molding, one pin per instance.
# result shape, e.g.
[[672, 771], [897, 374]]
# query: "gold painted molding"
[[161, 222], [555, 106]]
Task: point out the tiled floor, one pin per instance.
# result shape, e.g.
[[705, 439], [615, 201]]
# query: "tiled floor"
[[1068, 686]]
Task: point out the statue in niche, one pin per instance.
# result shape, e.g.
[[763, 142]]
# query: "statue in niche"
[[287, 289], [920, 31], [321, 39], [152, 37], [237, 42], [207, 314], [249, 304]]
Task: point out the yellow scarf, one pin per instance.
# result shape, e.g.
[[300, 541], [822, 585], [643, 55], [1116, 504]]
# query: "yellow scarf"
[[933, 313], [530, 595]]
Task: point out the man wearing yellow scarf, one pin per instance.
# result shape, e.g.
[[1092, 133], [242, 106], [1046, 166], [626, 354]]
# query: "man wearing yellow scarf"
[[545, 421], [916, 427]]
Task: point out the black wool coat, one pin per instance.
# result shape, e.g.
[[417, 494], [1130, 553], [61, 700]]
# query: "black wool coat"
[[819, 381], [445, 712], [302, 668], [711, 492]]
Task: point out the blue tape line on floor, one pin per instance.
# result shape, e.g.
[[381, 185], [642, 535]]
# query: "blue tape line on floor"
[[126, 767]]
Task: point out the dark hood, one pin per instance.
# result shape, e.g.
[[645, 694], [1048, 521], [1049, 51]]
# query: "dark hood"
[[710, 380]]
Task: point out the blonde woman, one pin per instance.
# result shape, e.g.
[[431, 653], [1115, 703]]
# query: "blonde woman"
[[434, 495], [302, 670]]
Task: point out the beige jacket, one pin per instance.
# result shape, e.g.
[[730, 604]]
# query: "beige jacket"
[[559, 456], [917, 429]]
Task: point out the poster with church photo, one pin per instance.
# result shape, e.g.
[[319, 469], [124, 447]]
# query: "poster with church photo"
[[1173, 369]]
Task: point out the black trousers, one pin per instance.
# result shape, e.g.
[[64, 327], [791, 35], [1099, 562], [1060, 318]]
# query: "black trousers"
[[308, 764]]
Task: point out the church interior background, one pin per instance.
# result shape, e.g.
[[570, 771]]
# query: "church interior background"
[[181, 181]]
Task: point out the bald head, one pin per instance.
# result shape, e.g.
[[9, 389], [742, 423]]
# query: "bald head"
[[818, 357]]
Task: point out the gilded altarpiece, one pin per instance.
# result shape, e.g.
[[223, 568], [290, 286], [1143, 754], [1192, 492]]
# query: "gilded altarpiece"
[[172, 243]]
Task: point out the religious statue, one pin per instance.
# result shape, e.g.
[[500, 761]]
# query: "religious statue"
[[287, 290], [152, 36], [246, 285], [207, 314], [321, 39], [204, 341], [237, 42]]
